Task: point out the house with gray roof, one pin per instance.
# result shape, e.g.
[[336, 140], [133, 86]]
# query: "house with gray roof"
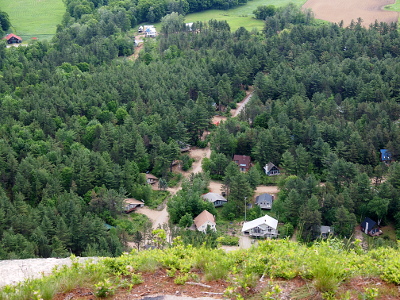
[[264, 201], [215, 199]]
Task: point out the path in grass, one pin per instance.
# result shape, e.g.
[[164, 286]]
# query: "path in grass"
[[33, 18]]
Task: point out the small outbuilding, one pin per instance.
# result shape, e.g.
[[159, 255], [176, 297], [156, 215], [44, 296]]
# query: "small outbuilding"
[[325, 231], [370, 227], [386, 156], [151, 179], [131, 204], [204, 220], [264, 201], [214, 198], [11, 38]]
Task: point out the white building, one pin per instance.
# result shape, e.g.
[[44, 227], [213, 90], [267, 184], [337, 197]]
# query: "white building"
[[265, 227], [203, 220]]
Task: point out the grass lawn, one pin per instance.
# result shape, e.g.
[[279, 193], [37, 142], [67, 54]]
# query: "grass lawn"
[[390, 232], [241, 16], [393, 7], [34, 18]]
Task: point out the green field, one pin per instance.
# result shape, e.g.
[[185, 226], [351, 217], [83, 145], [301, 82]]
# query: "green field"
[[34, 18], [241, 16], [393, 7]]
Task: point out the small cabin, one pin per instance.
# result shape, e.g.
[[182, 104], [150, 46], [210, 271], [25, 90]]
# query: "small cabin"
[[271, 170], [132, 204], [13, 39], [151, 179], [386, 156], [370, 227]]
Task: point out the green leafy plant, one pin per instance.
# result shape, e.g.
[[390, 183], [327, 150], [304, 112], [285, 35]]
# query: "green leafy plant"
[[104, 288], [370, 294]]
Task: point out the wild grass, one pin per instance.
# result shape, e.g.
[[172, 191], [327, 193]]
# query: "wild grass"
[[31, 18], [324, 266]]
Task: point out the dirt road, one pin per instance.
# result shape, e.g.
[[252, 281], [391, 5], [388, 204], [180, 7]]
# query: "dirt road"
[[241, 105], [235, 112], [216, 187], [160, 217], [157, 217]]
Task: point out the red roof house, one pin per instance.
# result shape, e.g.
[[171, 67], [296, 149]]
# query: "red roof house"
[[12, 39]]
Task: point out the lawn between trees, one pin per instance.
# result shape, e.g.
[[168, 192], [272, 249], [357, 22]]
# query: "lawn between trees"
[[34, 18]]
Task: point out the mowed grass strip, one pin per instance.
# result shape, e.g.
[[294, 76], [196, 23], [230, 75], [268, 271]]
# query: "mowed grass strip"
[[34, 18]]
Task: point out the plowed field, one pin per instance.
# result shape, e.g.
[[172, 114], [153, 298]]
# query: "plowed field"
[[347, 10]]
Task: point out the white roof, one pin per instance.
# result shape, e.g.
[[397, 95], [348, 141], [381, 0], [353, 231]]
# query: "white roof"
[[267, 220]]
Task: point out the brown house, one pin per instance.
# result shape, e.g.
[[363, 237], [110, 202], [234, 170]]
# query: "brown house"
[[243, 161], [151, 179], [131, 204]]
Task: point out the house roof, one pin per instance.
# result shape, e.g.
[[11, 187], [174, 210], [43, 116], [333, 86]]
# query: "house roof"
[[267, 220], [371, 223], [132, 201], [203, 218], [325, 229], [264, 198], [268, 167], [242, 160], [151, 176], [212, 197], [10, 35], [385, 154]]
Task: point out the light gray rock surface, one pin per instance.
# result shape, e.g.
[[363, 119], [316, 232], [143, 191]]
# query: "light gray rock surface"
[[17, 270]]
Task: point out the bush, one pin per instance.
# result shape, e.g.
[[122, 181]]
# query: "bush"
[[264, 11], [174, 179], [228, 240], [187, 162]]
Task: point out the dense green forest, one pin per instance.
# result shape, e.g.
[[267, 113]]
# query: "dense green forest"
[[80, 122]]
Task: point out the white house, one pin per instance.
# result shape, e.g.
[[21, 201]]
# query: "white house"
[[215, 199], [203, 220], [149, 31], [265, 227]]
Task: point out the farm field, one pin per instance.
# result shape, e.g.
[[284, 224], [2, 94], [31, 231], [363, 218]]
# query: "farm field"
[[33, 18], [338, 10], [241, 16]]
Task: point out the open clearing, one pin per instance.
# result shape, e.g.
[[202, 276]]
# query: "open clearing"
[[241, 16], [338, 10], [33, 18]]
